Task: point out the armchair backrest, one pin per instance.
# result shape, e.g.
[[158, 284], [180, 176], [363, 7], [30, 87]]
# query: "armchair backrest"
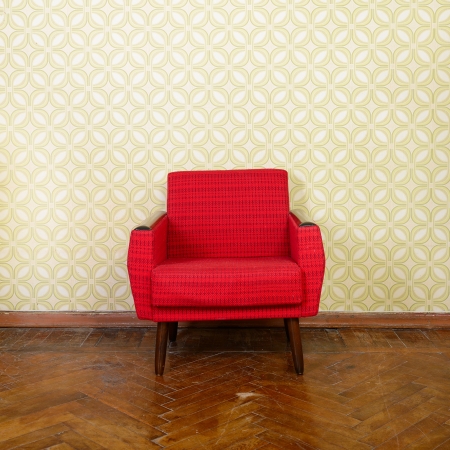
[[228, 213]]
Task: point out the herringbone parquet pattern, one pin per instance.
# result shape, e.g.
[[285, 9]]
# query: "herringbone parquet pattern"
[[224, 388]]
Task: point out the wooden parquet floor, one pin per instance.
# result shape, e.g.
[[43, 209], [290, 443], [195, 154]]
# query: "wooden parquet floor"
[[224, 389]]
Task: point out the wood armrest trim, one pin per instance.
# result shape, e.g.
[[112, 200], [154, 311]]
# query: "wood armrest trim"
[[151, 221], [304, 219]]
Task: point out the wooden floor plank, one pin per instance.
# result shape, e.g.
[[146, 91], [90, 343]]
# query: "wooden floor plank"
[[203, 414], [281, 441], [14, 429], [305, 396], [218, 437], [251, 443], [61, 446], [222, 418], [414, 338], [337, 418], [399, 424], [47, 442], [91, 408], [438, 438], [46, 386], [206, 402], [377, 405], [104, 437], [33, 436], [123, 406], [315, 441], [311, 427], [212, 391], [396, 410], [304, 416], [79, 442]]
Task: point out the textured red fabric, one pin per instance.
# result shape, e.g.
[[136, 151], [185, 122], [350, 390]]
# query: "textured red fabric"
[[307, 251], [147, 249], [226, 223], [256, 312], [229, 213], [226, 282]]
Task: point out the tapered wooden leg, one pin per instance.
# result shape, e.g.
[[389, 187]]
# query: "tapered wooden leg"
[[162, 332], [173, 328], [296, 344], [286, 329]]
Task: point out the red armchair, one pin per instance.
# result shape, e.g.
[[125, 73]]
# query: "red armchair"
[[227, 248]]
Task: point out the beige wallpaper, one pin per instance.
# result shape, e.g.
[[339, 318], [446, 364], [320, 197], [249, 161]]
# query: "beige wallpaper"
[[99, 100]]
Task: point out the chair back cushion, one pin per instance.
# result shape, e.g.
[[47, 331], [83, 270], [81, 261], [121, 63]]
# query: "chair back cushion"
[[228, 213]]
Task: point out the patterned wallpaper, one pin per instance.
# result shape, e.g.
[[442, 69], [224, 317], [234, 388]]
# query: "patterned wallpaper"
[[99, 100]]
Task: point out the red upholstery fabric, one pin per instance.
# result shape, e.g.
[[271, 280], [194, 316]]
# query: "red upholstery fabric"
[[226, 282], [256, 312], [234, 229], [307, 252], [147, 249], [229, 213]]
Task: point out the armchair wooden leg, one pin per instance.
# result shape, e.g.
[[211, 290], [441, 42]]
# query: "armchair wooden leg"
[[173, 328], [286, 329], [162, 333], [296, 344]]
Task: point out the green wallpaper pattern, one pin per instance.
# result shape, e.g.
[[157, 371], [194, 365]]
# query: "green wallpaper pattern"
[[99, 100]]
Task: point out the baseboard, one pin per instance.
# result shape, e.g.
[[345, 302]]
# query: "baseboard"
[[129, 320]]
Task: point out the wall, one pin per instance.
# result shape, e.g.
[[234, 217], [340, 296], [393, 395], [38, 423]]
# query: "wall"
[[100, 100]]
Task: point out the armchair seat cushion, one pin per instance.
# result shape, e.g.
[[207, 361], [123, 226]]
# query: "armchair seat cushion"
[[226, 282]]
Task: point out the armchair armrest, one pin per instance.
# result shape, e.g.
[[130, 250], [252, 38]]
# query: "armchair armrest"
[[307, 251], [304, 219], [151, 221], [147, 249]]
